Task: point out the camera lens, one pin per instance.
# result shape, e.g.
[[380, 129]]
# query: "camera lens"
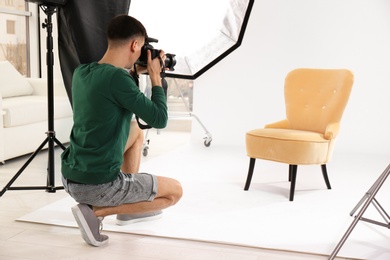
[[170, 61]]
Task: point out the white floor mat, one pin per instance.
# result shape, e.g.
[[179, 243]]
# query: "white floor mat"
[[216, 208]]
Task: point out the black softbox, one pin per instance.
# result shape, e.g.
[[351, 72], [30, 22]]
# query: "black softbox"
[[82, 34]]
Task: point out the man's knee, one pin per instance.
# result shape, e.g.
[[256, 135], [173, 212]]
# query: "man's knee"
[[178, 191], [170, 189]]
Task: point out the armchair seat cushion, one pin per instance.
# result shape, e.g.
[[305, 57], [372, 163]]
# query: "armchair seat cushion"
[[287, 146], [25, 110]]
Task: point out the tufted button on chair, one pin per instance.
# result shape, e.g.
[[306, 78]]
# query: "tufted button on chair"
[[315, 100]]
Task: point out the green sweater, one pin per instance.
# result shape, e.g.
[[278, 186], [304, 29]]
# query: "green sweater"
[[104, 101]]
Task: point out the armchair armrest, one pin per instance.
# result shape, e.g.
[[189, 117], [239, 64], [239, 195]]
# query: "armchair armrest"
[[284, 124], [332, 131], [40, 87]]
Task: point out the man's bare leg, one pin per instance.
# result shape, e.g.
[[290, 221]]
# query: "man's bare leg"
[[169, 190], [168, 194], [133, 149]]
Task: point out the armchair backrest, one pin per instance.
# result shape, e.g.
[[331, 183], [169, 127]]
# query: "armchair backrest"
[[316, 97]]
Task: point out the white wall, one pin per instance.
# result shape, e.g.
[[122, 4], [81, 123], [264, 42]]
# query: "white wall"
[[245, 90]]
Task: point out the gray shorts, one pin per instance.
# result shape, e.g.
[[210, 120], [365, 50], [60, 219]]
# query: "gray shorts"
[[127, 188]]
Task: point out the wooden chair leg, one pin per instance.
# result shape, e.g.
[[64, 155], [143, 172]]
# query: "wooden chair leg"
[[325, 174], [293, 175], [250, 173]]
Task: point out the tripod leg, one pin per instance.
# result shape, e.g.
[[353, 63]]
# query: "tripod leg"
[[51, 165], [381, 211], [375, 188], [346, 235], [7, 187], [50, 169], [372, 188], [59, 143]]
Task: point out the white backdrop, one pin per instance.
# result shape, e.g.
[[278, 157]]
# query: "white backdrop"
[[245, 90]]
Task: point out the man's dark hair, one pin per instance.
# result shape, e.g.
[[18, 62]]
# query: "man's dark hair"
[[123, 27]]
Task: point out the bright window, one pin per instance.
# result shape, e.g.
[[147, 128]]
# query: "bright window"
[[13, 34]]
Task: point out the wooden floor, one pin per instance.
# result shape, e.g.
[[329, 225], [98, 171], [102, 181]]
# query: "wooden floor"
[[21, 240]]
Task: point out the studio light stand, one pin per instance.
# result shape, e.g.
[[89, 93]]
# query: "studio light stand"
[[49, 9], [367, 199]]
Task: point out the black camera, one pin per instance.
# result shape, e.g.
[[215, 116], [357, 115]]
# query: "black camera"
[[169, 62]]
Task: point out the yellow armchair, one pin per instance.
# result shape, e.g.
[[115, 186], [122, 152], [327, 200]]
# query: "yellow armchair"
[[315, 101]]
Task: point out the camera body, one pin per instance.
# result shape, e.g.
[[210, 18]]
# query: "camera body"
[[169, 62]]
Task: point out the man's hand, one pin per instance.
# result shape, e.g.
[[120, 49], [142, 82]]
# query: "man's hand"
[[155, 67]]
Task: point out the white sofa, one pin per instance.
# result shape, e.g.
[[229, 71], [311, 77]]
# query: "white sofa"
[[24, 120]]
